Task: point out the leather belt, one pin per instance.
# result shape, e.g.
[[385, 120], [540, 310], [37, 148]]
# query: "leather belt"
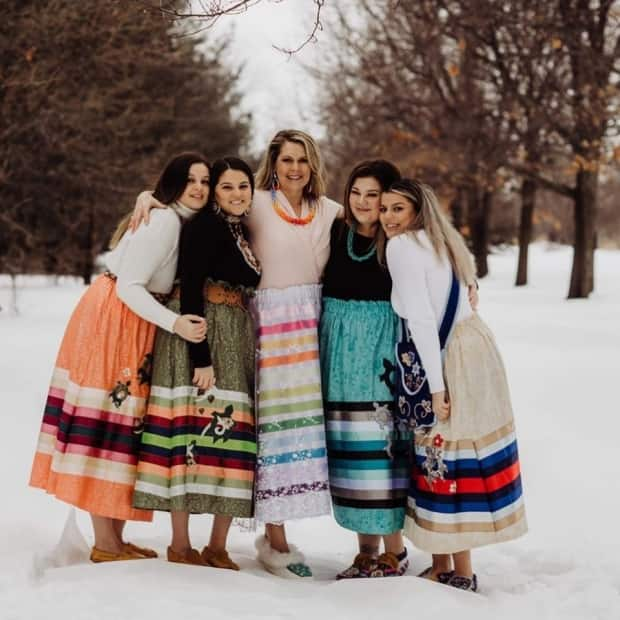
[[220, 294]]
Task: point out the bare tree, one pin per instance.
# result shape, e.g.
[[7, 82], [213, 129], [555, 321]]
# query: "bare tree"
[[484, 92], [589, 34], [558, 63], [206, 13], [414, 75]]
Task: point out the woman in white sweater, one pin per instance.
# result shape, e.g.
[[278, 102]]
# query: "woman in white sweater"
[[466, 485], [90, 435]]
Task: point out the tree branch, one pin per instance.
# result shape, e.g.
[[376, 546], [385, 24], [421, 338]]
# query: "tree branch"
[[311, 38], [545, 183]]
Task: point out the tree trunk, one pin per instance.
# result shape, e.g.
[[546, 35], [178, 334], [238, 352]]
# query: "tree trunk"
[[13, 307], [582, 275], [479, 213], [528, 198], [87, 271], [457, 209]]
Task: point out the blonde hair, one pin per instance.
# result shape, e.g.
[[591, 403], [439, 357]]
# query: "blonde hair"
[[444, 238], [317, 186], [121, 229]]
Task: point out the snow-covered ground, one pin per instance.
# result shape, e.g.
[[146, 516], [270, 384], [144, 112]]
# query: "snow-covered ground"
[[563, 360]]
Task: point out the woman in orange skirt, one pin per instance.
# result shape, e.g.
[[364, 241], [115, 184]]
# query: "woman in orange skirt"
[[90, 435]]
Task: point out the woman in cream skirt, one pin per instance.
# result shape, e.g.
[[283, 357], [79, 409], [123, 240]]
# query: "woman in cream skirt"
[[465, 488]]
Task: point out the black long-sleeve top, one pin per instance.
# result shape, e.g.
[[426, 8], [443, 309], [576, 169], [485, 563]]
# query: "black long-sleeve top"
[[347, 279], [209, 250]]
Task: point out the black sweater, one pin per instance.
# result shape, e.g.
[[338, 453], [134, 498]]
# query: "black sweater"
[[208, 249], [347, 279]]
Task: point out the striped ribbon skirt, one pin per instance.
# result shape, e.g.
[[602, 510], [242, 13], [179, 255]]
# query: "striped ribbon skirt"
[[198, 450], [368, 464], [465, 487], [292, 478], [88, 445]]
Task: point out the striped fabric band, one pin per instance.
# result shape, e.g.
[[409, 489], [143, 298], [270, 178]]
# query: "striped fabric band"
[[292, 457]]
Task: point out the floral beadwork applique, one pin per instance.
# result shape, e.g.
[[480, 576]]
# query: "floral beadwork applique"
[[382, 415], [421, 418], [221, 425], [119, 393], [433, 465], [412, 373], [414, 379]]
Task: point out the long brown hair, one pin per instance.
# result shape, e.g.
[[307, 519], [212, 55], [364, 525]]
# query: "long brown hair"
[[385, 173], [444, 238], [170, 186], [316, 186]]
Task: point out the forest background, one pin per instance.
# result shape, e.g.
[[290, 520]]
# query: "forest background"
[[509, 109]]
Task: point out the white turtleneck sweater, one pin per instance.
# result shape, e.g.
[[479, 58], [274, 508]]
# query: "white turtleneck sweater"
[[145, 261], [420, 288]]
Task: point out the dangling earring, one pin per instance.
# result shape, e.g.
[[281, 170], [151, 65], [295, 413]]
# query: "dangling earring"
[[247, 212], [275, 183], [217, 209]]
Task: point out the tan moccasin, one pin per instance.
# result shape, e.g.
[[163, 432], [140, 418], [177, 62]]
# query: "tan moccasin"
[[218, 559], [189, 556]]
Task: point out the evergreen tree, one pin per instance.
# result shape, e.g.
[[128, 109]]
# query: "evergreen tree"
[[94, 98]]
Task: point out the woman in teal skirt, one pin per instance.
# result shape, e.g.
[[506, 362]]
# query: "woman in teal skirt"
[[368, 460]]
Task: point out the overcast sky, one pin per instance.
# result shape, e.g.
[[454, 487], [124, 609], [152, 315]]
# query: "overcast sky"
[[277, 90]]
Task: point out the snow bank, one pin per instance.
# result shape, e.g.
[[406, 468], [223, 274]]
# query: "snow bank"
[[563, 361]]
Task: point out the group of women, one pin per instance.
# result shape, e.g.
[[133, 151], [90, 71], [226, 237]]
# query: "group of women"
[[238, 359]]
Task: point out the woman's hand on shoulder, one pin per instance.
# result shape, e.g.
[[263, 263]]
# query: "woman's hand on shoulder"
[[190, 327], [204, 379], [141, 211]]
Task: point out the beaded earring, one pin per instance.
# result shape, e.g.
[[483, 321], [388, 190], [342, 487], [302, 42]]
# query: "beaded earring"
[[275, 183]]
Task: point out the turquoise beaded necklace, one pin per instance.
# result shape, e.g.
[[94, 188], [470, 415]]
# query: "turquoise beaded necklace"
[[351, 252]]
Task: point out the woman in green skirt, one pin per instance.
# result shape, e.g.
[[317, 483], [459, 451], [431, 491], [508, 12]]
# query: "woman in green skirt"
[[198, 448]]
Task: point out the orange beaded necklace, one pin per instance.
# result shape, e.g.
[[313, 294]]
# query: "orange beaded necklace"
[[297, 221]]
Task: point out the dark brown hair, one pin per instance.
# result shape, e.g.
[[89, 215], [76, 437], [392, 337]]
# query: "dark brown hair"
[[220, 166], [383, 171], [170, 186], [173, 179]]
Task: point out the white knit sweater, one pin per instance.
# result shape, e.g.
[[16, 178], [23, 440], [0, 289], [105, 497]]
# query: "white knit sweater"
[[420, 287], [146, 261]]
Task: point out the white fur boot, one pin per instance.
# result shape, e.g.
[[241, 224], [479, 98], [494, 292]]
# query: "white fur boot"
[[291, 565]]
